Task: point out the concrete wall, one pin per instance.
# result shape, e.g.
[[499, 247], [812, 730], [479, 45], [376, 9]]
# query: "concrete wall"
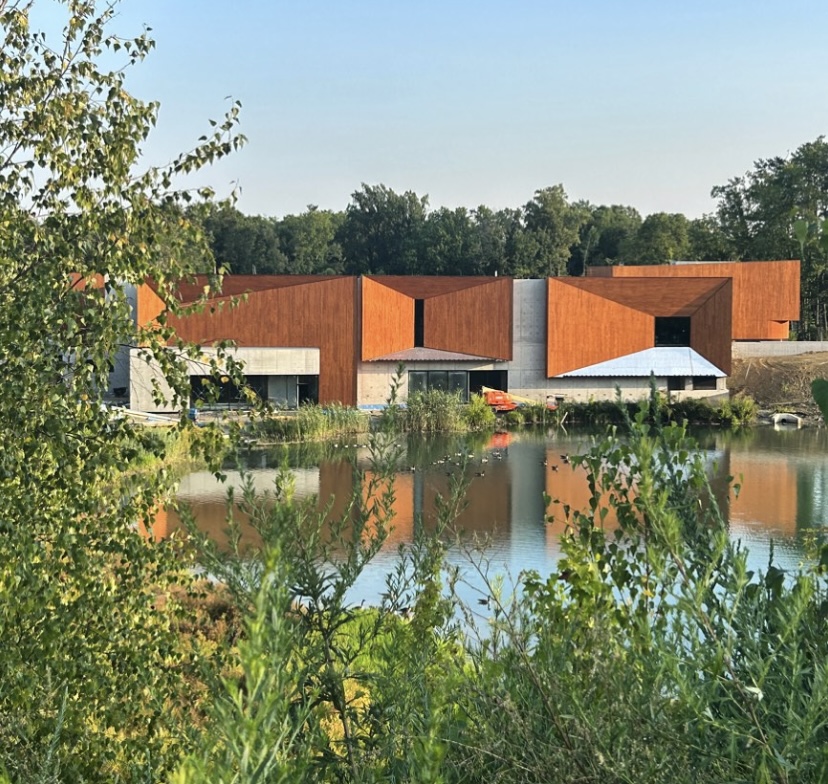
[[374, 379], [119, 377], [527, 371], [145, 376], [777, 348], [585, 390]]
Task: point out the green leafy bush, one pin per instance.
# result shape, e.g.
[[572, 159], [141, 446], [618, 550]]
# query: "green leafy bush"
[[434, 411], [737, 411], [478, 414]]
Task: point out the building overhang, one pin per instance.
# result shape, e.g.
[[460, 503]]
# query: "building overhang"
[[430, 355]]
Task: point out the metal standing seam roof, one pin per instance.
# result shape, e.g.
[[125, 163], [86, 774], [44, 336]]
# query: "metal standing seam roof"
[[661, 362], [430, 355]]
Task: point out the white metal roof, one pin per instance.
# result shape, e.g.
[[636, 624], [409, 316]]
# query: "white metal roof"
[[661, 362]]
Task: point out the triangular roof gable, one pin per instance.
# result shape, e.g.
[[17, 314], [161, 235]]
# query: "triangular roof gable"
[[655, 296], [192, 290], [425, 287]]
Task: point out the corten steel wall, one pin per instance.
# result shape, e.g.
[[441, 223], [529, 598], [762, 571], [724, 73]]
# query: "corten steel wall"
[[655, 296], [149, 306], [468, 315], [387, 320], [711, 325], [584, 328], [593, 320], [475, 320], [287, 311], [765, 293]]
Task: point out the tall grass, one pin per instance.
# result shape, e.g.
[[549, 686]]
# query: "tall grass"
[[313, 421], [433, 411]]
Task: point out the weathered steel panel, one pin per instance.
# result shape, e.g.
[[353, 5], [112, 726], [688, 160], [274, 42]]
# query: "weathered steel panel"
[[320, 313], [148, 305], [765, 293], [710, 327], [584, 328], [656, 296], [476, 320], [424, 287], [387, 320]]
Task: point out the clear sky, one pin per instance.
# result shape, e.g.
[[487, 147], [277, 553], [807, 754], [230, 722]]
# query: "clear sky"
[[648, 103]]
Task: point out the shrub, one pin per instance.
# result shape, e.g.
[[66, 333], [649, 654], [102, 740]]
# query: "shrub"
[[737, 411], [434, 411], [478, 414]]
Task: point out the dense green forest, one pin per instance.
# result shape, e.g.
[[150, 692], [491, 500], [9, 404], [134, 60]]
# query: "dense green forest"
[[384, 232]]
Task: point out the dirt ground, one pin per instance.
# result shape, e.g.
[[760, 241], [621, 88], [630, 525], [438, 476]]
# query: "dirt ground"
[[780, 383]]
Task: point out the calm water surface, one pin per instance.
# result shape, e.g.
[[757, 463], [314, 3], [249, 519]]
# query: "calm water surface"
[[783, 497]]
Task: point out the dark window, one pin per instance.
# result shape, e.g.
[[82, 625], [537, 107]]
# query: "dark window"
[[307, 389], [675, 383], [454, 381], [672, 331], [458, 383], [417, 381], [419, 323], [221, 389], [438, 379], [704, 382], [495, 379]]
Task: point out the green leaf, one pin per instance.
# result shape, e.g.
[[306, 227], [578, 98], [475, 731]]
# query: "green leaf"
[[800, 230], [819, 389]]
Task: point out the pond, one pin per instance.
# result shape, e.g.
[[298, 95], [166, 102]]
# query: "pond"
[[783, 497]]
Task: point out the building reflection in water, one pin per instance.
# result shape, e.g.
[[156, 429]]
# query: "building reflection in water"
[[784, 490]]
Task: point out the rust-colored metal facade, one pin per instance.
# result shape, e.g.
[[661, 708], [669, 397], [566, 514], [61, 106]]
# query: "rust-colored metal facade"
[[284, 311], [148, 305], [594, 320], [387, 320], [585, 328], [466, 315], [589, 320], [765, 293]]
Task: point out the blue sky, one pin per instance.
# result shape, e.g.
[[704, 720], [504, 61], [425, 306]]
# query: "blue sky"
[[643, 102]]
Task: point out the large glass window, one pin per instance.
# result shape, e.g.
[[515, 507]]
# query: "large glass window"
[[455, 381], [222, 390], [458, 382], [417, 381]]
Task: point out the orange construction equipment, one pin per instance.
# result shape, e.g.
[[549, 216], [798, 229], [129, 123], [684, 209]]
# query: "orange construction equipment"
[[502, 401]]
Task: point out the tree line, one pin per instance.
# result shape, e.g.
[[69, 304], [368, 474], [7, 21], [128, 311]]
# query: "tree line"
[[385, 232]]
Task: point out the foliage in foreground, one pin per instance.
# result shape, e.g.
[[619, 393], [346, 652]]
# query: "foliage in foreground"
[[92, 678], [653, 657], [651, 653]]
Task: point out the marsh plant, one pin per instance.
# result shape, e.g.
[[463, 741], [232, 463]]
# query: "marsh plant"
[[651, 653], [312, 421], [434, 411]]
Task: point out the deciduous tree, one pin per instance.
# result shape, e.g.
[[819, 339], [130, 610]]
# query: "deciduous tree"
[[757, 213], [382, 231], [88, 658]]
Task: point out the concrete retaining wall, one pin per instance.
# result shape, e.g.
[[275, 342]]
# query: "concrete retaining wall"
[[777, 348]]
